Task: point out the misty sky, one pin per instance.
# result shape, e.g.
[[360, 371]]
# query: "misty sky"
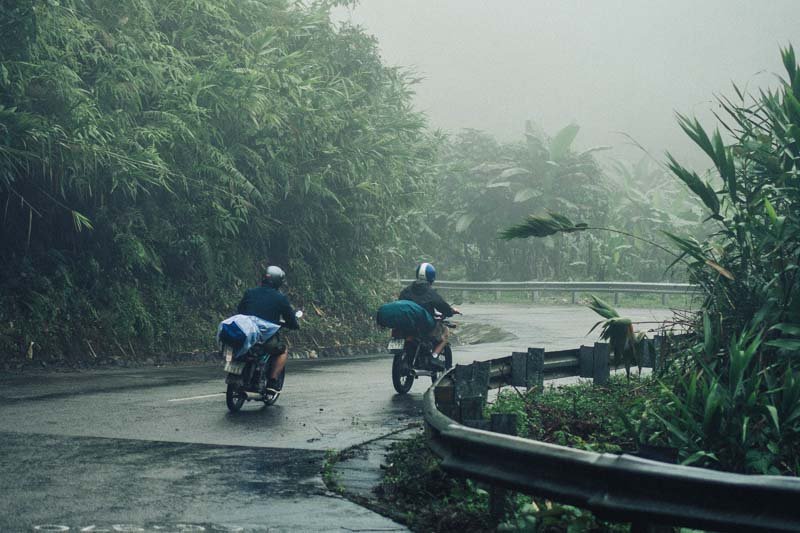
[[609, 65]]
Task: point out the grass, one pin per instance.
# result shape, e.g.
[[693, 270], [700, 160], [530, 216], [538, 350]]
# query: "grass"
[[329, 474]]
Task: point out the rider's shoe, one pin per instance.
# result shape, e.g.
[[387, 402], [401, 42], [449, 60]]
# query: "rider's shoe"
[[437, 361], [273, 387]]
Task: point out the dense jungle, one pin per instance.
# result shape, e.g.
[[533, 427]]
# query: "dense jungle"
[[155, 156]]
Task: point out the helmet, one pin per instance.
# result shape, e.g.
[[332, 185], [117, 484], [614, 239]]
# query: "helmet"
[[273, 277], [426, 272]]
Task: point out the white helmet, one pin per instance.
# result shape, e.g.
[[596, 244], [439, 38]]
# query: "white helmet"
[[273, 277]]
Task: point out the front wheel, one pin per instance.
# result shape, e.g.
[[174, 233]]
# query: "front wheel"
[[234, 397], [402, 375]]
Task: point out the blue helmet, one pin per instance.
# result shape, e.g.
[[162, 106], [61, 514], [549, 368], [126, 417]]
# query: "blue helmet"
[[426, 272]]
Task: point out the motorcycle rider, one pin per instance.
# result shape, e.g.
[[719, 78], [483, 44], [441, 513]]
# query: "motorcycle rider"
[[422, 293], [268, 303]]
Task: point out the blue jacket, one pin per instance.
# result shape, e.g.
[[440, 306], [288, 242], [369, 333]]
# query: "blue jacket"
[[268, 304]]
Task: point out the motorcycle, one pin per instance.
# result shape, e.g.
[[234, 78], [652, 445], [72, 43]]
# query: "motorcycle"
[[413, 358], [247, 377]]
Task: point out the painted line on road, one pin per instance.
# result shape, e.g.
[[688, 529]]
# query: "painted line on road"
[[197, 397]]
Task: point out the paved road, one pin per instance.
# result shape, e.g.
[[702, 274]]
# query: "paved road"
[[157, 449]]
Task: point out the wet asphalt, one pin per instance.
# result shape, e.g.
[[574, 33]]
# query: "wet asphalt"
[[155, 449]]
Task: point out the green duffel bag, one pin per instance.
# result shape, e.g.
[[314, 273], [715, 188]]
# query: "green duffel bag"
[[405, 317]]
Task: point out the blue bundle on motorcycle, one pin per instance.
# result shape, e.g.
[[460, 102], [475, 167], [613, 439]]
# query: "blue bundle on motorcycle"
[[407, 317], [243, 331], [232, 335]]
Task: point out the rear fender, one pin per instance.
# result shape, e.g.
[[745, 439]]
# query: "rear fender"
[[233, 379]]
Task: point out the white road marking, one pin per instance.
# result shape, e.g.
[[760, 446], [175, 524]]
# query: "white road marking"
[[197, 397]]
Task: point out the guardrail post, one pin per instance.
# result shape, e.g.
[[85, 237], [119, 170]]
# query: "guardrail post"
[[505, 423], [444, 396], [464, 296], [472, 384], [600, 370], [648, 353], [527, 369], [497, 295], [586, 362], [616, 298], [535, 296], [574, 296], [659, 349], [519, 375], [663, 298], [535, 369]]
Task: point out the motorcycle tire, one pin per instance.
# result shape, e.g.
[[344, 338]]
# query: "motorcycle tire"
[[402, 376], [234, 397]]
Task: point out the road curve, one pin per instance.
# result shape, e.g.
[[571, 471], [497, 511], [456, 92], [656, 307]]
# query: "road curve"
[[155, 448]]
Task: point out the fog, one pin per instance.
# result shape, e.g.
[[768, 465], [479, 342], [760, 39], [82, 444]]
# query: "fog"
[[611, 66]]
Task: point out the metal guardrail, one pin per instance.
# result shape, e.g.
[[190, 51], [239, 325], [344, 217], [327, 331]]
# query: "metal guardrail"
[[615, 487], [574, 287]]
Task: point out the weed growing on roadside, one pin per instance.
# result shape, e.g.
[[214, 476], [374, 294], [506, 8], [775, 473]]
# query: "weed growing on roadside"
[[425, 498]]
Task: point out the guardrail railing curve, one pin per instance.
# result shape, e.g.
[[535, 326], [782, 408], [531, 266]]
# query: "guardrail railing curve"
[[573, 287], [620, 488]]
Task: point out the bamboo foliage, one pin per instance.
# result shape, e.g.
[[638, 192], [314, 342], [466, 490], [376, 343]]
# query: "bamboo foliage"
[[161, 140]]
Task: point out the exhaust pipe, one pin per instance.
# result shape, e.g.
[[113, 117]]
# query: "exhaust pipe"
[[253, 395]]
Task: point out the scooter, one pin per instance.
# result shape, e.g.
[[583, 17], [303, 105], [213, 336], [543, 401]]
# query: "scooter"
[[246, 376]]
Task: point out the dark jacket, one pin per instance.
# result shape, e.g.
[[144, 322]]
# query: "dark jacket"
[[423, 294], [269, 304]]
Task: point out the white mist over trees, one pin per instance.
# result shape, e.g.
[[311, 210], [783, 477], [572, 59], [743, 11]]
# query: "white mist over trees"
[[611, 66]]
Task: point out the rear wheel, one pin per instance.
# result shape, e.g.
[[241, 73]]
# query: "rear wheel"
[[402, 375], [235, 397]]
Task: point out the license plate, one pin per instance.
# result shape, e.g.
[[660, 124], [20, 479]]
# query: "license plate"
[[227, 353], [234, 368], [395, 344]]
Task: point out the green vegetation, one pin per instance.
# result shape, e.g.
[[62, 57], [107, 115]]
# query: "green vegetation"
[[729, 401], [424, 497], [580, 416], [484, 186], [154, 155], [732, 401]]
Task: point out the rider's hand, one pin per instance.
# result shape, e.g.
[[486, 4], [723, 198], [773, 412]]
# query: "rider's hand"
[[456, 311]]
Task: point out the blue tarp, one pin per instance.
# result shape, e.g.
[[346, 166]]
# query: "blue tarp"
[[244, 331]]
